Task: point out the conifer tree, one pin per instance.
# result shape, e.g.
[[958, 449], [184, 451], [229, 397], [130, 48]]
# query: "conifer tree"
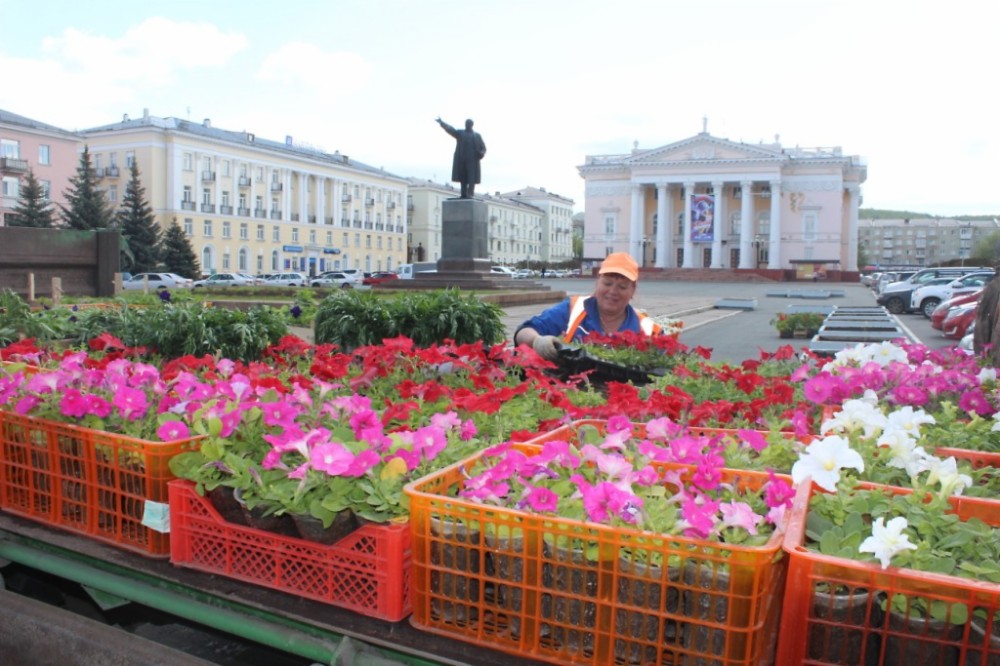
[[138, 225], [33, 209], [88, 207], [178, 255]]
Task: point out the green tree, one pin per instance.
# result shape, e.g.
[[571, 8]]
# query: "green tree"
[[88, 208], [33, 209], [178, 255], [577, 247], [987, 250], [138, 225]]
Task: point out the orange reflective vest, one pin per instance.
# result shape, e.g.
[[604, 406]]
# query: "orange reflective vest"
[[578, 312]]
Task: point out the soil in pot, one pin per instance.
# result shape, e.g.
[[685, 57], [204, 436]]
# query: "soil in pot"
[[841, 632], [311, 528], [640, 587], [456, 548], [919, 640], [221, 497], [260, 518]]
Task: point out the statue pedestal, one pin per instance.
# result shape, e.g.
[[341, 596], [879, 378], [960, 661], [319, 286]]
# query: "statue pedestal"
[[465, 237]]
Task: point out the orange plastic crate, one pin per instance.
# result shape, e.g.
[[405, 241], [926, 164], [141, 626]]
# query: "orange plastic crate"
[[566, 591], [978, 459], [819, 628], [103, 485], [367, 571]]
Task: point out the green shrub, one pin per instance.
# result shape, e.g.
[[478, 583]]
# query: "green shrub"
[[17, 320], [352, 318]]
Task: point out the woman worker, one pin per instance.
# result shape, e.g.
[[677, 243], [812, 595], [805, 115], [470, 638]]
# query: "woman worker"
[[606, 311]]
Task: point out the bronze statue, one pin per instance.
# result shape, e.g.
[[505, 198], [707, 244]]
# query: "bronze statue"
[[469, 150]]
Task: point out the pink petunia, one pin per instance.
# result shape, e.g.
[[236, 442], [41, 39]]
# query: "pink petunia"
[[699, 514], [332, 458], [753, 438], [468, 430], [542, 500], [73, 404], [740, 514], [171, 431], [131, 403]]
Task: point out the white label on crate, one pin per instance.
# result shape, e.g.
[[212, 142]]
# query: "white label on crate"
[[156, 516]]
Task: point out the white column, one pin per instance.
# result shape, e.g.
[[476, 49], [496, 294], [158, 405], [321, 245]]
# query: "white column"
[[635, 227], [303, 197], [662, 225], [321, 200], [774, 244], [688, 245], [854, 200], [718, 225], [748, 252]]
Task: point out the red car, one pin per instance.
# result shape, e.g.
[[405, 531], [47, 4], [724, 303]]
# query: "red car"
[[379, 278], [942, 310], [958, 321]]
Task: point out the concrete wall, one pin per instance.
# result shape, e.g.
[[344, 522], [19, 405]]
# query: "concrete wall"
[[86, 261]]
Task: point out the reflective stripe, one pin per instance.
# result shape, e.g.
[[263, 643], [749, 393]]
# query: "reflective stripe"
[[577, 313], [647, 325]]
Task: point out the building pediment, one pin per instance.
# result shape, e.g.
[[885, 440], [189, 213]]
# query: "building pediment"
[[704, 148]]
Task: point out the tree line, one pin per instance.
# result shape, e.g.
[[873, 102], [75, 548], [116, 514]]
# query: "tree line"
[[145, 246]]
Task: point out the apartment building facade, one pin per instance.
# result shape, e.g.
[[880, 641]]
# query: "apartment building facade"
[[557, 221], [921, 241], [255, 205], [49, 152], [726, 205]]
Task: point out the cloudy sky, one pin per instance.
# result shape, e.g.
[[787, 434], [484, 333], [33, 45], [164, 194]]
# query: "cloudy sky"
[[911, 85]]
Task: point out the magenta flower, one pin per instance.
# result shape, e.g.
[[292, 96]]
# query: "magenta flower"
[[98, 406], [73, 404], [280, 414], [468, 430], [445, 421], [754, 439], [26, 404], [542, 500], [908, 394], [362, 463], [429, 441], [171, 431], [131, 403], [976, 402], [331, 457], [778, 492], [699, 515]]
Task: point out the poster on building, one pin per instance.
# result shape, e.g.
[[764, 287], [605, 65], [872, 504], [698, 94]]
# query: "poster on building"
[[702, 217]]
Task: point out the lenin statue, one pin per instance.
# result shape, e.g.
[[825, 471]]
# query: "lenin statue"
[[469, 150]]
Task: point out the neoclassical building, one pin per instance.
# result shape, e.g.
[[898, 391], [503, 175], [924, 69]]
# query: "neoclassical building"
[[728, 205]]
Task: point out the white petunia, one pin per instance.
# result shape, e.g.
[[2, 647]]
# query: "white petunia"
[[946, 473], [903, 451], [857, 415], [996, 426], [887, 540], [823, 459], [987, 375], [909, 420]]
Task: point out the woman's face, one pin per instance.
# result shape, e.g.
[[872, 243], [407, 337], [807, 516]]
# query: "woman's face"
[[613, 293]]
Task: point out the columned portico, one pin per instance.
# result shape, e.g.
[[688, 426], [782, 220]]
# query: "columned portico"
[[635, 228], [664, 215], [718, 225], [688, 243], [748, 250], [774, 244]]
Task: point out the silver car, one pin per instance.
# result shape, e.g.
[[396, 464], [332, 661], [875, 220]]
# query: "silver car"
[[287, 280], [226, 280], [157, 281]]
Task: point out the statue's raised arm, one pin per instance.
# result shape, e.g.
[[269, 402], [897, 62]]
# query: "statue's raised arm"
[[469, 150]]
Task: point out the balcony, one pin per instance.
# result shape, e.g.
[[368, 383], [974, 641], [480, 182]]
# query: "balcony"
[[245, 182], [368, 225], [346, 198], [295, 217], [276, 187], [356, 224], [312, 219], [328, 220], [379, 226], [98, 172], [345, 221], [259, 212], [390, 205], [369, 202], [226, 210], [187, 205], [13, 165], [207, 208], [208, 176], [111, 172], [275, 214], [244, 212]]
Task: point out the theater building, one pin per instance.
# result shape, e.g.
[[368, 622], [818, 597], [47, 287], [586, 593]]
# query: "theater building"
[[727, 206]]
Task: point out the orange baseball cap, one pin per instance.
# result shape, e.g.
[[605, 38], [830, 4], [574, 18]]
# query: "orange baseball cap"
[[622, 264]]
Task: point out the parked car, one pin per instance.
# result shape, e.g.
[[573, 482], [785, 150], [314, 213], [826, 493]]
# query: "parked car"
[[942, 310], [379, 278], [957, 323], [928, 297], [896, 296], [226, 280], [287, 280], [157, 281], [356, 275], [502, 270], [523, 274], [332, 279]]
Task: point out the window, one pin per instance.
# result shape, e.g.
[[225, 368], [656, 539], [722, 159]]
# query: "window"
[[113, 159], [295, 234], [206, 196], [98, 161], [609, 227], [207, 261], [243, 171], [46, 189], [259, 203], [208, 164], [207, 228], [276, 234], [225, 198], [378, 243], [129, 158], [274, 205], [226, 232], [225, 172], [368, 241], [244, 232], [243, 201], [357, 240], [44, 155], [11, 188], [329, 238], [734, 224], [10, 149], [260, 263], [188, 227], [243, 260], [809, 221], [187, 194], [346, 239], [312, 237], [260, 232], [260, 173], [188, 162], [113, 193], [225, 261]]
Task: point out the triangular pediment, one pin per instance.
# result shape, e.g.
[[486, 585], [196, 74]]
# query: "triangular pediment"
[[704, 147]]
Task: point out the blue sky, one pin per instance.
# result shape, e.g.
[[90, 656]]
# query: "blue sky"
[[913, 86]]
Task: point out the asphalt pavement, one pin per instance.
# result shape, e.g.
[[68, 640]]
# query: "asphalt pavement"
[[735, 335]]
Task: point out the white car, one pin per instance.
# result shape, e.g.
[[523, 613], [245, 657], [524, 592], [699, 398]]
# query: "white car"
[[503, 270], [928, 297], [226, 280], [333, 279], [287, 280], [157, 281], [355, 275]]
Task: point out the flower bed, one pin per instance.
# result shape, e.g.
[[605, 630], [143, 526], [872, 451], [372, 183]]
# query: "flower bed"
[[367, 571], [845, 611], [103, 485], [571, 591]]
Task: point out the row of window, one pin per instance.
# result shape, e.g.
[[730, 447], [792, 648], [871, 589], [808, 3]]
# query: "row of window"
[[244, 231], [308, 265], [11, 149]]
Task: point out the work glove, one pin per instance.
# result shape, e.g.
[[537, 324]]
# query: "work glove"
[[547, 346]]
